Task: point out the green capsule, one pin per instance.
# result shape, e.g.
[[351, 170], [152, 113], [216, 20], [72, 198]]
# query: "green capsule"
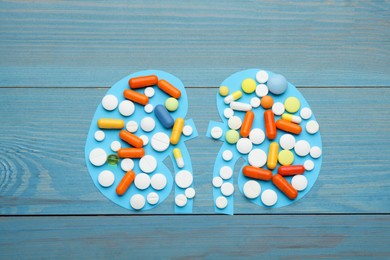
[[113, 159]]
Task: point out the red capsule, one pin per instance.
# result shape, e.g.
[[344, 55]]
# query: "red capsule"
[[291, 170]]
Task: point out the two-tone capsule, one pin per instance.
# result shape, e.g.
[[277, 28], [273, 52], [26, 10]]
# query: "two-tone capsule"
[[292, 118], [233, 97], [178, 157]]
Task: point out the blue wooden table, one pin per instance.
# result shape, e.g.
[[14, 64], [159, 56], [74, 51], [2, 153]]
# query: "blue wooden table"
[[57, 59]]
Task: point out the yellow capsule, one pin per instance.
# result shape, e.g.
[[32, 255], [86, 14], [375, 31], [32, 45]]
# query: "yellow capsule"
[[223, 91], [233, 97], [110, 123], [292, 118], [272, 155], [179, 157], [176, 130]]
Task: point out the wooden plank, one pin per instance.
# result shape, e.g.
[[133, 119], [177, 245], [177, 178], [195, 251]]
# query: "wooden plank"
[[94, 44], [192, 237], [43, 132]]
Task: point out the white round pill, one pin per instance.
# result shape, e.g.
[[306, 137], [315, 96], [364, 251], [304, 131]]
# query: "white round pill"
[[305, 113], [234, 122], [244, 145], [106, 178], [252, 189], [149, 92], [221, 202], [132, 126], [126, 108], [181, 200], [158, 181], [287, 141], [257, 158], [226, 172], [190, 193], [187, 130], [148, 124], [148, 164], [115, 146], [137, 201], [278, 108], [315, 152], [160, 142], [262, 76], [99, 135], [302, 148], [183, 179], [98, 157], [309, 165], [255, 102], [256, 136], [261, 90], [228, 112], [299, 182], [142, 181], [216, 132], [269, 197], [217, 182], [312, 127], [153, 198], [227, 155], [145, 139], [227, 189], [148, 108], [109, 102], [127, 164]]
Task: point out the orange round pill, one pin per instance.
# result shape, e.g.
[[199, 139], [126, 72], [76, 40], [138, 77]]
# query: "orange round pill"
[[267, 102]]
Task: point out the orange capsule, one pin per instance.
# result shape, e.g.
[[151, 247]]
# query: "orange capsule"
[[257, 173], [131, 152], [143, 81], [131, 139], [291, 170], [125, 183], [135, 97], [269, 122], [284, 186], [247, 123], [169, 88], [288, 126]]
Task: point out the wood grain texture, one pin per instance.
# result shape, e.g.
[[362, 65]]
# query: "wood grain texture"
[[95, 43], [43, 133]]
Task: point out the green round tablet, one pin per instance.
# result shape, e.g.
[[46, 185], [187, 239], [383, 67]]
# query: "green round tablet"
[[232, 136], [113, 159], [171, 104]]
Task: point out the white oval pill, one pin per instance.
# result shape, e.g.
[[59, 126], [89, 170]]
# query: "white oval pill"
[[183, 179], [187, 130], [287, 141], [261, 90], [217, 182], [126, 108], [256, 136], [181, 200], [221, 202], [115, 146], [226, 172], [228, 112], [305, 113], [244, 145], [309, 165], [252, 189], [269, 197], [137, 201], [145, 139], [99, 135], [302, 148], [262, 76], [240, 106], [148, 164], [257, 158], [227, 189], [227, 155], [278, 108], [312, 127], [160, 142], [106, 178], [109, 102], [158, 181], [98, 157], [127, 164], [132, 126], [148, 124], [315, 152], [149, 108], [149, 92], [142, 181], [216, 132], [255, 102], [299, 182], [234, 122], [153, 198], [190, 193]]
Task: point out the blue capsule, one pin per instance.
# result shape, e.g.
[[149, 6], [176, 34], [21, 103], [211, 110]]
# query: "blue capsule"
[[164, 116]]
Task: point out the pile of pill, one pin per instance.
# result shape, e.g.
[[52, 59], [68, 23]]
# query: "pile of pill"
[[277, 147], [130, 150]]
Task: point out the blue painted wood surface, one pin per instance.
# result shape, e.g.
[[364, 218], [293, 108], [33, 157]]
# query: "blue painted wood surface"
[[57, 58]]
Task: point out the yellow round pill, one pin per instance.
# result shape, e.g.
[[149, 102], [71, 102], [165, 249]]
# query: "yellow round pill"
[[292, 104], [248, 85], [223, 91], [286, 157]]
